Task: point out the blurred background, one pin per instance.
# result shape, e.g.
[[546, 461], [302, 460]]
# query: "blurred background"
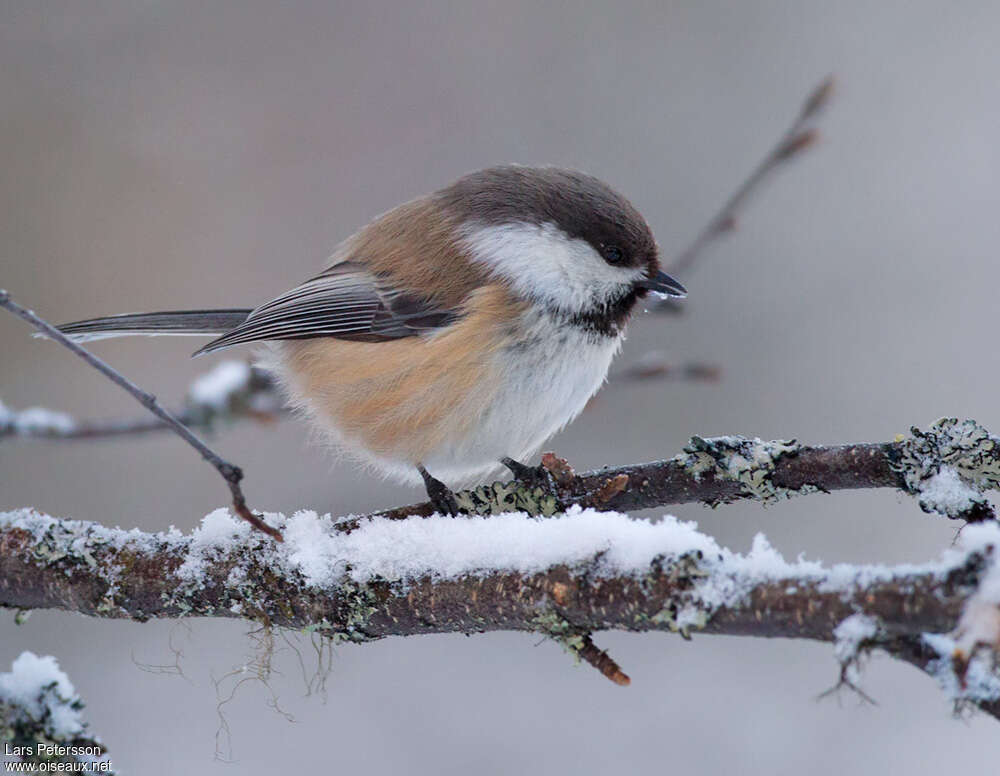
[[163, 155]]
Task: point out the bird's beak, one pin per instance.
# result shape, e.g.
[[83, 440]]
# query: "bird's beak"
[[663, 285]]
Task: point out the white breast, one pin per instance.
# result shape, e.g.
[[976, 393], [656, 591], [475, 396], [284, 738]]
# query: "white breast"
[[546, 379]]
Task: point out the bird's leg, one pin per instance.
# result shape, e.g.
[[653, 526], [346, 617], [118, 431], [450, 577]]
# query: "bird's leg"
[[535, 476], [440, 495]]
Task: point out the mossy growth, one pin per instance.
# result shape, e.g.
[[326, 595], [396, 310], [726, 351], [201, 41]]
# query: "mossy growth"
[[357, 602], [750, 462], [683, 611], [500, 497], [560, 630], [962, 446]]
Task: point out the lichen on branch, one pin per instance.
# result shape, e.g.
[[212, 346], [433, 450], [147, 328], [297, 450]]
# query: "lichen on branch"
[[564, 576]]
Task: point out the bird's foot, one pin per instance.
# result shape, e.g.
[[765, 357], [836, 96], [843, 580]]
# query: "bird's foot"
[[533, 476], [439, 494]]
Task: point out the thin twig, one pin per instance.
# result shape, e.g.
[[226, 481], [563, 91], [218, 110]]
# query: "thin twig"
[[797, 138], [654, 365], [230, 473], [88, 430], [602, 661]]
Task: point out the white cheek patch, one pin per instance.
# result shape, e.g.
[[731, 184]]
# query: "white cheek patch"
[[542, 262]]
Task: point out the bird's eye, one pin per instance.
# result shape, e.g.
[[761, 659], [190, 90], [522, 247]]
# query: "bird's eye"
[[613, 254]]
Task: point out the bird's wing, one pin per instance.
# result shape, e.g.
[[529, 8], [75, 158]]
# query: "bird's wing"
[[346, 301]]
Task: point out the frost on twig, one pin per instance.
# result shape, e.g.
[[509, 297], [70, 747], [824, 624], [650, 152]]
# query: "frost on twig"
[[851, 639], [966, 659], [232, 475], [565, 576], [962, 660], [41, 721], [34, 421], [231, 391]]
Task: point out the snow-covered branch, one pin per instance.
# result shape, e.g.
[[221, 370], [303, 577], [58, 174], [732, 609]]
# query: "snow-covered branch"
[[41, 722], [232, 475], [229, 392], [564, 576]]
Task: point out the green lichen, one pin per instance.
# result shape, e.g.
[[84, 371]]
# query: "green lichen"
[[681, 620], [500, 497], [750, 462], [560, 630], [106, 606], [961, 445], [683, 611], [64, 546], [357, 603]]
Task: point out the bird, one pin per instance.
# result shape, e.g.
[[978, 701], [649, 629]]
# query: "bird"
[[454, 334]]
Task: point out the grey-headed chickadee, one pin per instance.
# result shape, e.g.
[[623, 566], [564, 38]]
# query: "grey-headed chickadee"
[[455, 332]]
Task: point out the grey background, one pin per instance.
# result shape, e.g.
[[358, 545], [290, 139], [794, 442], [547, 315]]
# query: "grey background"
[[183, 154]]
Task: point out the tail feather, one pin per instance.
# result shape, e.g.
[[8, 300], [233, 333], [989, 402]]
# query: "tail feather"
[[182, 323]]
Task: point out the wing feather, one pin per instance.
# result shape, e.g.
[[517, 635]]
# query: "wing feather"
[[345, 301]]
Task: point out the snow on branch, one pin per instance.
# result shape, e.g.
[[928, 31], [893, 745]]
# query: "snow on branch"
[[232, 475], [564, 576], [41, 722], [231, 391]]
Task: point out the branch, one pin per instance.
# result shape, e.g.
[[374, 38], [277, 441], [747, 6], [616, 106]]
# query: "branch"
[[654, 365], [799, 137], [231, 391], [40, 720], [947, 468], [230, 473], [564, 577]]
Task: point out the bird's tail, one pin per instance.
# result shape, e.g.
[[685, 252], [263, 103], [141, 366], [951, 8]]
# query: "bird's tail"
[[182, 323]]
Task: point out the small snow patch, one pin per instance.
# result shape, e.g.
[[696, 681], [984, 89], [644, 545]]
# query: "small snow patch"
[[38, 687], [35, 420], [847, 640], [980, 682], [219, 534], [947, 493], [215, 389]]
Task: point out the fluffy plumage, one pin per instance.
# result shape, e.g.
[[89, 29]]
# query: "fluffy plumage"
[[462, 327]]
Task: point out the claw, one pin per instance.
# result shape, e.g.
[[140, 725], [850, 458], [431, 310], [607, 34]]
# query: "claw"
[[535, 476], [440, 495]]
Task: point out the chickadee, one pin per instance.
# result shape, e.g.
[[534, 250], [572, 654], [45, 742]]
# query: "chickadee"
[[456, 332]]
